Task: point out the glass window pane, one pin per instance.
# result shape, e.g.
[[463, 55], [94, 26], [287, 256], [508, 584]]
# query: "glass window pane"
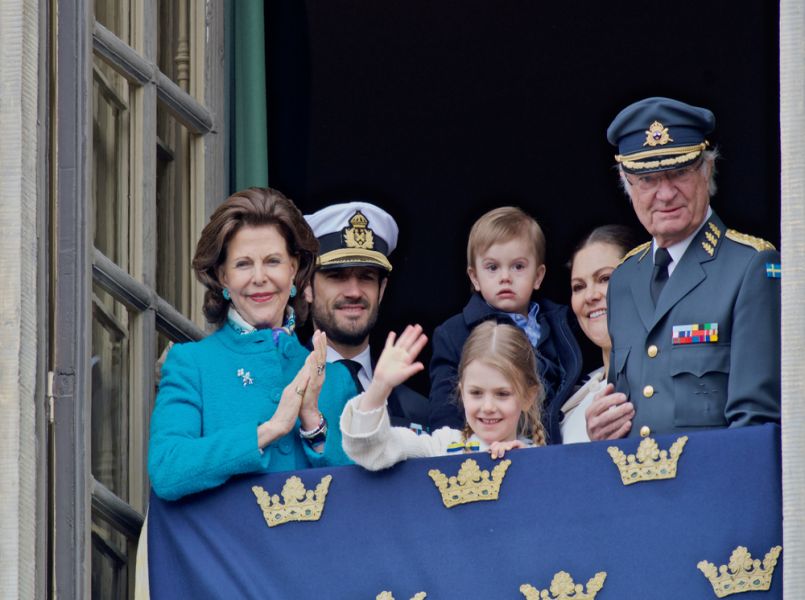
[[174, 246], [110, 163], [110, 393], [109, 563], [173, 41], [174, 215], [114, 15]]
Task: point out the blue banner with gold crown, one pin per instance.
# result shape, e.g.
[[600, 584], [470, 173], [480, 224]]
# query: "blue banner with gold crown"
[[563, 516]]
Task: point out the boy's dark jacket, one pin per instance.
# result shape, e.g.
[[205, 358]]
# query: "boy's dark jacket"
[[558, 358]]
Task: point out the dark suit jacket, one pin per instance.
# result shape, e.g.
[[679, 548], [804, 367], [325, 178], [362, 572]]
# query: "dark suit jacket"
[[720, 280], [558, 361], [405, 406]]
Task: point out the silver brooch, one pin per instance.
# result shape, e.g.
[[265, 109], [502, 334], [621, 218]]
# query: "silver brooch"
[[246, 376]]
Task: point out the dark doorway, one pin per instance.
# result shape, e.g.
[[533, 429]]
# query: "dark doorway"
[[439, 111]]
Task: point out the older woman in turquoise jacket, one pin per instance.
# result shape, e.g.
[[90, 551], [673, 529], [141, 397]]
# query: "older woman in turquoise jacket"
[[249, 397]]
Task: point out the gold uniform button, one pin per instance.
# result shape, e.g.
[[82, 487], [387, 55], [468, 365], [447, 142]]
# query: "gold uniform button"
[[645, 431], [652, 351], [648, 391]]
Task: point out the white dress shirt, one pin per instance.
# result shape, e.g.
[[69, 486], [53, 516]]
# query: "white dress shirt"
[[364, 359], [678, 250]]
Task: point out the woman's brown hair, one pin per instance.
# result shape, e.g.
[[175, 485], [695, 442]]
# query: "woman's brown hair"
[[619, 236], [253, 207], [507, 349]]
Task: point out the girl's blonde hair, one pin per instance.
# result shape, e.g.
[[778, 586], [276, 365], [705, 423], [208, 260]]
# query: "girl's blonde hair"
[[506, 348]]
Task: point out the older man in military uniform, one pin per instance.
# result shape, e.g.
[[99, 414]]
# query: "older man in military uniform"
[[694, 314]]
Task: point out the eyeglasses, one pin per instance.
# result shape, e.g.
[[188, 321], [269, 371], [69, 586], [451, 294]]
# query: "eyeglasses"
[[651, 181]]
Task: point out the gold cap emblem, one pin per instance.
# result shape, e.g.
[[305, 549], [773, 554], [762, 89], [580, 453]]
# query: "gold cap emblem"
[[657, 135], [359, 235]]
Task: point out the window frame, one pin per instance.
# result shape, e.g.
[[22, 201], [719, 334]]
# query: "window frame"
[[74, 496]]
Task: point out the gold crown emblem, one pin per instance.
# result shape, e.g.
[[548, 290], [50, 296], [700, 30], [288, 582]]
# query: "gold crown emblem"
[[742, 574], [359, 235], [657, 135], [563, 588], [471, 484], [358, 220], [389, 596], [649, 463], [299, 504]]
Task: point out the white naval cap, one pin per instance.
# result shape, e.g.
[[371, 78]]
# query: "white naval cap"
[[354, 234]]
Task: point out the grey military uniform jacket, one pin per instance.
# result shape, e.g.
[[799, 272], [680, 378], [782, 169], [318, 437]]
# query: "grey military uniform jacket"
[[722, 285]]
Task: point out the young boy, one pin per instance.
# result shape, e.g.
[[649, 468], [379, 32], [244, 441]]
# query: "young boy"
[[505, 263]]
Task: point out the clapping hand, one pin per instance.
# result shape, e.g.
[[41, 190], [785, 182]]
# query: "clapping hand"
[[300, 398], [284, 418], [315, 368], [396, 364]]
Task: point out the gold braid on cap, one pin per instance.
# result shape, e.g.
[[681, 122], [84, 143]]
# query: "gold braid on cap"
[[350, 255], [691, 152]]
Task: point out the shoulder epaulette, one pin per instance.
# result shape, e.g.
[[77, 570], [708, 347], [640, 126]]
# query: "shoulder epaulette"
[[757, 243], [641, 248]]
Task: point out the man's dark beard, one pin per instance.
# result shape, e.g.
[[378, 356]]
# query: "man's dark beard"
[[326, 322]]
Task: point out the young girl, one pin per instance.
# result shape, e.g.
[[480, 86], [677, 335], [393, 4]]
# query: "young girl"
[[497, 385]]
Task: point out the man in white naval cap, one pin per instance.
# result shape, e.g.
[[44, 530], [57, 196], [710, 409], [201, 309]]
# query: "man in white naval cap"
[[356, 239]]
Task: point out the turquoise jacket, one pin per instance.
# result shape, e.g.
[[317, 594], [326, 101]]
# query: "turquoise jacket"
[[212, 396]]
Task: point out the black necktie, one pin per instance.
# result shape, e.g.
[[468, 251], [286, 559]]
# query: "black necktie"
[[353, 366], [662, 259]]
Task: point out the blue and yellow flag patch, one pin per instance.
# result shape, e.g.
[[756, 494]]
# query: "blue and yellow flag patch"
[[470, 446]]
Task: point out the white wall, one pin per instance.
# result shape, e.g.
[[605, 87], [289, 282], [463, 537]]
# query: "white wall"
[[19, 24]]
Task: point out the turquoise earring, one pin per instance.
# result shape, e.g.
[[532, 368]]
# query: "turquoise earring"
[[226, 294], [293, 290]]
